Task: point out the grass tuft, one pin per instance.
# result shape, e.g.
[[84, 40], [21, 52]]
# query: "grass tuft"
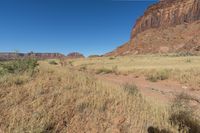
[[53, 62], [111, 58], [103, 71], [184, 115], [131, 89], [159, 75]]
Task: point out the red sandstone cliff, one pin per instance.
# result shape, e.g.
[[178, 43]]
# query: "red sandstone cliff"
[[168, 13], [168, 26]]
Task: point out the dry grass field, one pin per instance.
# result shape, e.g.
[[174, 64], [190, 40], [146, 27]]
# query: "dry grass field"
[[185, 69], [47, 98]]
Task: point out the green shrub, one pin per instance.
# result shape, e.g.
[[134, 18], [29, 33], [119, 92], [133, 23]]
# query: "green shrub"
[[182, 54], [19, 81], [71, 63], [112, 58], [152, 78], [94, 56], [19, 66], [104, 71], [161, 75], [53, 62], [2, 71], [131, 89], [83, 68], [188, 60]]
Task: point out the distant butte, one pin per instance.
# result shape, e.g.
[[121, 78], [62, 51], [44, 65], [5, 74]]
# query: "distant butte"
[[13, 55], [75, 55]]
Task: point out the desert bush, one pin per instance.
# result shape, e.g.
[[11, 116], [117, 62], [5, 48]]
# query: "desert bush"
[[53, 62], [19, 81], [94, 56], [17, 72], [152, 129], [152, 78], [83, 68], [71, 63], [181, 54], [183, 115], [2, 72], [188, 60], [178, 54], [131, 89], [82, 106], [112, 58], [115, 69], [19, 66], [159, 75], [104, 71], [10, 79]]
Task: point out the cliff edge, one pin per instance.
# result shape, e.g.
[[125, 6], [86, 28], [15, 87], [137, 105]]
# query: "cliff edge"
[[167, 26]]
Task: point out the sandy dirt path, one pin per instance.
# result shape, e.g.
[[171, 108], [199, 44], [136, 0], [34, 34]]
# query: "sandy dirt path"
[[162, 91]]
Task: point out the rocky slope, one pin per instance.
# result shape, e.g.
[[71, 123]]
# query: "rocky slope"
[[168, 26]]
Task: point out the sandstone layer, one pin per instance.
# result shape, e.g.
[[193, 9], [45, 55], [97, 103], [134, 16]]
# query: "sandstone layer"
[[167, 26]]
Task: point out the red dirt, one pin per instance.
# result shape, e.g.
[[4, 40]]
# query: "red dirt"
[[162, 91]]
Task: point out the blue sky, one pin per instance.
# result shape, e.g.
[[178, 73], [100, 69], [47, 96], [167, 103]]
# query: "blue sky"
[[86, 26]]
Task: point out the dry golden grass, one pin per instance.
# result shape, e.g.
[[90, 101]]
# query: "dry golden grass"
[[185, 69], [58, 99], [61, 100]]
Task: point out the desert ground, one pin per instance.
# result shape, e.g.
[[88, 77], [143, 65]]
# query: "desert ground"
[[127, 94]]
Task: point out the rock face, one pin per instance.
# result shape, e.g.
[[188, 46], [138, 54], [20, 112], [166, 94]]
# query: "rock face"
[[75, 55], [12, 56], [168, 26], [168, 13]]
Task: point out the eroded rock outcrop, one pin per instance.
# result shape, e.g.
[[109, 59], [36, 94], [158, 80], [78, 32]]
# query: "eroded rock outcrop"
[[167, 26], [168, 13]]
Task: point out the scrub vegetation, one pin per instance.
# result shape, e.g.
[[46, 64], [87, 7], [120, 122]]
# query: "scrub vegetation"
[[42, 97], [184, 69]]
